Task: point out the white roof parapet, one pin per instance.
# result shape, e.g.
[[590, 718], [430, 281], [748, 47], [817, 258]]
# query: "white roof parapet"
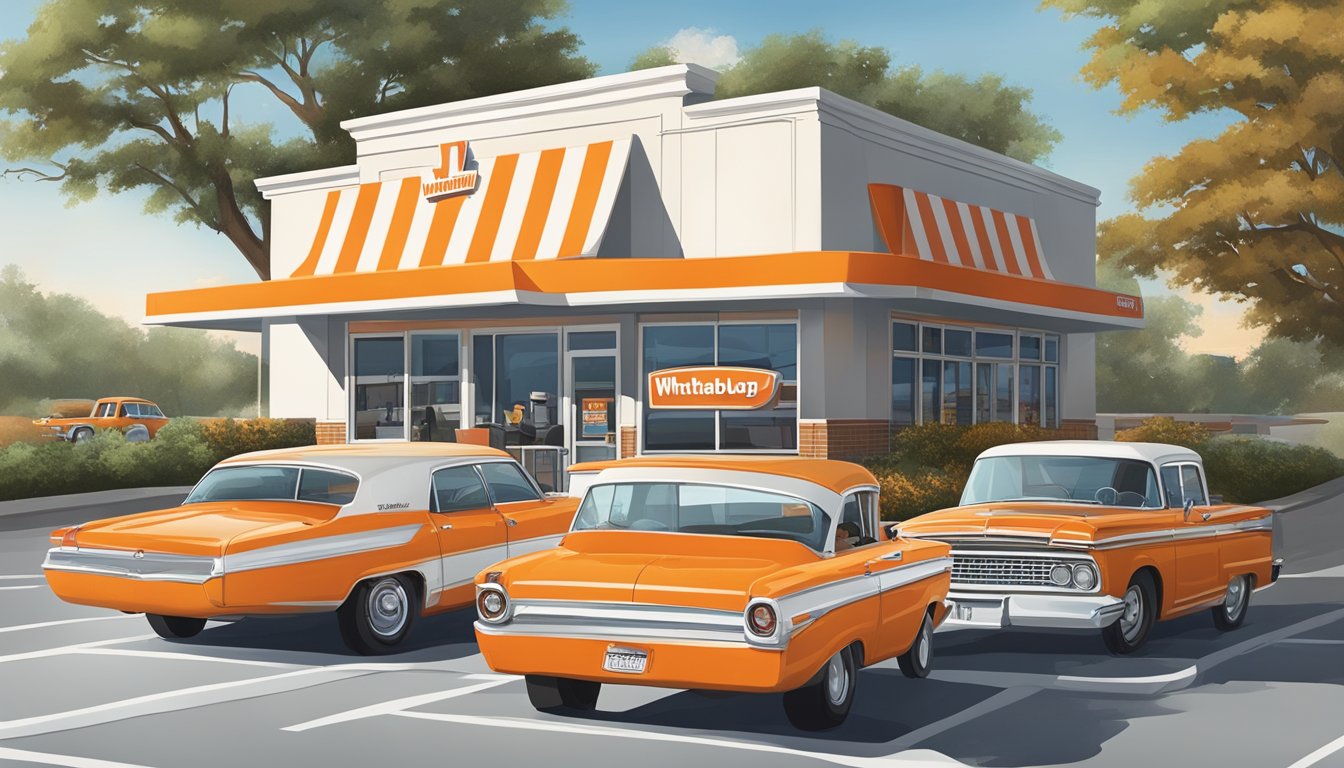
[[308, 181], [678, 80], [1156, 453]]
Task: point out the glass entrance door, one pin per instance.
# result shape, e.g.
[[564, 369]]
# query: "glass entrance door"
[[592, 405]]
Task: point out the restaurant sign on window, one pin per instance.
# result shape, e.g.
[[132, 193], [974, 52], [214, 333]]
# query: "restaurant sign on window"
[[723, 388], [595, 417]]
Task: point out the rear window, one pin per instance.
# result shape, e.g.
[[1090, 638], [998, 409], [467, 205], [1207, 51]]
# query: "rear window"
[[271, 483]]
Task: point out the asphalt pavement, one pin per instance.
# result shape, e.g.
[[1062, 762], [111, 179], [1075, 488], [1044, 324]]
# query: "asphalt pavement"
[[96, 689]]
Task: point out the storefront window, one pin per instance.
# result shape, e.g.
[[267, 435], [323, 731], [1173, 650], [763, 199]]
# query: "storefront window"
[[436, 387], [933, 340], [379, 388], [990, 344], [1003, 392], [586, 340], [1051, 396], [1029, 346], [904, 337], [1029, 395], [483, 372], [956, 342], [903, 391], [1051, 348], [520, 365], [931, 389], [675, 346], [957, 398]]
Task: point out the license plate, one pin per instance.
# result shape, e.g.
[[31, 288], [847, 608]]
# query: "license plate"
[[628, 660]]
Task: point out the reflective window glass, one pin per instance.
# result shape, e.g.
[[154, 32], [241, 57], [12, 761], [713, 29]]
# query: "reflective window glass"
[[380, 382], [507, 483], [904, 337], [903, 390], [957, 342], [990, 344], [457, 489], [323, 486]]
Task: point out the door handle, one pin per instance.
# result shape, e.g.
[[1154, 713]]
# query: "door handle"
[[446, 527]]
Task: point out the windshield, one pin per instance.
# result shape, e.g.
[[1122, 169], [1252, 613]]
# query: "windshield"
[[263, 483], [1108, 482], [703, 509]]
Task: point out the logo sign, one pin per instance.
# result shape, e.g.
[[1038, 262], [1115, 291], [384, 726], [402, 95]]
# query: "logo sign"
[[713, 388], [451, 177]]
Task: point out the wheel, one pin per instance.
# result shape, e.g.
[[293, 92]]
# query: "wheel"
[[1236, 603], [548, 694], [1129, 632], [378, 615], [917, 661], [81, 434], [175, 627], [824, 702]]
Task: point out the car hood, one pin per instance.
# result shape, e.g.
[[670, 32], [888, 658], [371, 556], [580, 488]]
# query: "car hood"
[[715, 572], [1035, 523], [199, 529]]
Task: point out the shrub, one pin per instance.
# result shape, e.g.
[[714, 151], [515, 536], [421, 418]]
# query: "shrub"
[[1165, 429], [928, 445], [1247, 470], [230, 437], [904, 496]]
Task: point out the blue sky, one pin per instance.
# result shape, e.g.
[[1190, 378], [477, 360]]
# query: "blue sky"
[[111, 253]]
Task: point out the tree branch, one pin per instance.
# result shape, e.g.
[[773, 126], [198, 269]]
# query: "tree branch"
[[191, 202], [37, 175]]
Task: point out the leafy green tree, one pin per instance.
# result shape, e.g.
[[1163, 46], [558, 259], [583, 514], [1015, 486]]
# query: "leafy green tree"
[[984, 111], [171, 96], [1256, 212], [58, 346]]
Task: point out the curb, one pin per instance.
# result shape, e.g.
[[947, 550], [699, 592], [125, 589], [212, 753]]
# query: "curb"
[[96, 498], [1328, 490]]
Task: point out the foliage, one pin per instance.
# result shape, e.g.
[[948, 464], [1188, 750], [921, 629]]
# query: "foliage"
[[1165, 429], [1256, 212], [121, 95], [178, 455], [56, 345], [905, 495], [984, 111], [1247, 470]]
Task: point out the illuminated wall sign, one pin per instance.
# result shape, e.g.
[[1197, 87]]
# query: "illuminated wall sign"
[[713, 388], [451, 177]]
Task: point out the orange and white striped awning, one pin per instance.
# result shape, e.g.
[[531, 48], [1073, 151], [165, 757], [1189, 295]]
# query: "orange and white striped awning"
[[547, 204], [934, 228]]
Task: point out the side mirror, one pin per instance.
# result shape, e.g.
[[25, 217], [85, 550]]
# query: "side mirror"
[[893, 531], [1189, 505]]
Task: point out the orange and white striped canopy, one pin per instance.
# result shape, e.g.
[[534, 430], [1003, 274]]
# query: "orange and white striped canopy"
[[934, 228], [547, 204]]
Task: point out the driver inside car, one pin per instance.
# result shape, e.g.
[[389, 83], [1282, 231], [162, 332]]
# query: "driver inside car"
[[846, 536]]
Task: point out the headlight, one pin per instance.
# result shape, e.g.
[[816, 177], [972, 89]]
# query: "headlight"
[[1061, 575], [1085, 576], [761, 620], [492, 605]]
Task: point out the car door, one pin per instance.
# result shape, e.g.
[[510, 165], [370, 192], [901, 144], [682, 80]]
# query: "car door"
[[1198, 565], [470, 531], [898, 617], [534, 521]]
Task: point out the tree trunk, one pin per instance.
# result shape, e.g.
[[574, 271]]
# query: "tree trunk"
[[235, 226]]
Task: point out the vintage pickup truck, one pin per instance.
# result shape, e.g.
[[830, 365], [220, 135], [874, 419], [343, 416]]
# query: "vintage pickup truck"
[[1093, 535], [133, 415]]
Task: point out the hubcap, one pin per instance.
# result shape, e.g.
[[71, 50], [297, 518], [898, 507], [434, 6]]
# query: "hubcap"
[[1235, 599], [388, 608], [837, 682], [923, 651], [1133, 614]]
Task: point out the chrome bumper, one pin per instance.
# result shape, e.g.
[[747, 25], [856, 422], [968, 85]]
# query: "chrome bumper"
[[138, 565], [987, 610]]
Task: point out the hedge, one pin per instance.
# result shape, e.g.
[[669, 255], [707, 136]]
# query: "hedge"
[[178, 455]]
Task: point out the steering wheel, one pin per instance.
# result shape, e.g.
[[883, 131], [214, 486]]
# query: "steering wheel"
[[1130, 499], [1107, 496]]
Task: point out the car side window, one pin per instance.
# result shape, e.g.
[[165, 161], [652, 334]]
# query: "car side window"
[[508, 483], [457, 489], [855, 528], [151, 411], [1192, 485], [1171, 486], [132, 409], [325, 487]]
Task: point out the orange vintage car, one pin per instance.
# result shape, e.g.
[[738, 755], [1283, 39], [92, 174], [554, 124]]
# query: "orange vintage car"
[[379, 534], [1096, 535], [121, 413], [723, 573]]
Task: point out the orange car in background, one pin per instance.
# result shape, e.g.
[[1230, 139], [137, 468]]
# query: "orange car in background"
[[124, 413], [379, 534], [1093, 535], [724, 573]]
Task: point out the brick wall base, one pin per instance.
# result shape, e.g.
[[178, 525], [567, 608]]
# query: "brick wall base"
[[843, 438], [1076, 429], [629, 442], [330, 432]]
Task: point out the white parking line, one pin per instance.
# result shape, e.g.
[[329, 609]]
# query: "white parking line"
[[993, 703], [64, 649], [24, 586], [185, 657], [16, 576], [42, 624], [396, 705], [1336, 572], [916, 759], [1320, 754], [1311, 641], [71, 761]]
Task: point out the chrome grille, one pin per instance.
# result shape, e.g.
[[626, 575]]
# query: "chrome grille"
[[999, 569]]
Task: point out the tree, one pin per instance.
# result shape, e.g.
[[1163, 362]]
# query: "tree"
[[1255, 213], [983, 111], [117, 95]]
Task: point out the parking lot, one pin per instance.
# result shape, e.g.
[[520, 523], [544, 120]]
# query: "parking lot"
[[86, 687]]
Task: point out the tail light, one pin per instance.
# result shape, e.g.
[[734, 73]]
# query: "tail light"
[[68, 536]]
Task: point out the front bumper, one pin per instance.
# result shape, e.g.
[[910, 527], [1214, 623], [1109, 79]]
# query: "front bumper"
[[988, 610]]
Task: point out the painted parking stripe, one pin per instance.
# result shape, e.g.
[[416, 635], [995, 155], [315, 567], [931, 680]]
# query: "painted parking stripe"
[[71, 761], [25, 586], [1336, 572], [1320, 754], [916, 759], [66, 649], [396, 705], [174, 656], [63, 622], [20, 577], [993, 703], [1311, 641]]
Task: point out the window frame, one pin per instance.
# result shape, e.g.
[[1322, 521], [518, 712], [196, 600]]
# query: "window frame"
[[298, 480], [1179, 466], [527, 479], [475, 472]]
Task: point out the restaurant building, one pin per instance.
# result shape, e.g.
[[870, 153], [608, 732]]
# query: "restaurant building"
[[530, 260]]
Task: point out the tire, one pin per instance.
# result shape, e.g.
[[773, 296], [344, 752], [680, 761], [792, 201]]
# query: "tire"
[[1128, 633], [917, 661], [81, 434], [550, 694], [1236, 604], [825, 701], [378, 615], [175, 627]]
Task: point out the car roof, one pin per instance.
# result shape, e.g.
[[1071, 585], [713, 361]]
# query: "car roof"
[[120, 399], [836, 476], [1155, 453], [355, 453]]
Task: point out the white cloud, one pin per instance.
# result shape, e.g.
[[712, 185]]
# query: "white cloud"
[[694, 45]]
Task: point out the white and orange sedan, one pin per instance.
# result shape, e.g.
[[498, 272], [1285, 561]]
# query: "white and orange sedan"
[[380, 534]]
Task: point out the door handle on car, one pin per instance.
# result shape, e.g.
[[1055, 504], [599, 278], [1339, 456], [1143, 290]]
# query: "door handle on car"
[[446, 527]]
